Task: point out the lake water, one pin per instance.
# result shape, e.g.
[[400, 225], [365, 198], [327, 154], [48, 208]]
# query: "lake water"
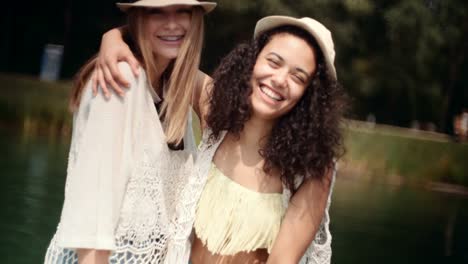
[[371, 223]]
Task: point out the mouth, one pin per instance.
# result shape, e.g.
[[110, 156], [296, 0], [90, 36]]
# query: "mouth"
[[172, 38], [270, 93]]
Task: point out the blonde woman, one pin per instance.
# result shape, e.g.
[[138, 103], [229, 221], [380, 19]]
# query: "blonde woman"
[[124, 174]]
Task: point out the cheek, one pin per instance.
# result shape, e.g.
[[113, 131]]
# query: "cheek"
[[260, 71], [152, 27], [296, 94], [185, 22]]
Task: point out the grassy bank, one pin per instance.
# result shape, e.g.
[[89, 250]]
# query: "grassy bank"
[[376, 153], [398, 156], [34, 106]]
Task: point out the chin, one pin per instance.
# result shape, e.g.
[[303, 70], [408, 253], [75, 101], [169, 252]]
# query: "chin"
[[169, 54], [265, 113]]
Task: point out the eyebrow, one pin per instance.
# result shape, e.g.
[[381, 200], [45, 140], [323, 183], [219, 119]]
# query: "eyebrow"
[[297, 68]]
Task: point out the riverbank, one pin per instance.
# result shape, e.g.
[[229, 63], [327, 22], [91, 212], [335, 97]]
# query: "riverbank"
[[403, 156], [379, 153], [33, 106]]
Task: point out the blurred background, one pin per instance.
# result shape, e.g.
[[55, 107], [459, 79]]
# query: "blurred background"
[[402, 189]]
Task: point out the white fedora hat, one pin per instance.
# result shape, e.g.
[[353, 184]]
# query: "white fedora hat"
[[207, 6], [320, 33]]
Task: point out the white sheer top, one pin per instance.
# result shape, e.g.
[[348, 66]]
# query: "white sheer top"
[[122, 180]]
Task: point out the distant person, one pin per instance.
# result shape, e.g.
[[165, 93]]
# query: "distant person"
[[463, 125], [130, 157]]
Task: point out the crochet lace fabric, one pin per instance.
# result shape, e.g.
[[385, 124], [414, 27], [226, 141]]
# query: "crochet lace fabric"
[[144, 228]]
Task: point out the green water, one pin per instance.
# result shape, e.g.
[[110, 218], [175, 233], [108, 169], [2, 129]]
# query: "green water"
[[370, 223]]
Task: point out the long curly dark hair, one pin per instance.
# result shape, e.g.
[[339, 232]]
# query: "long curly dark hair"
[[303, 143]]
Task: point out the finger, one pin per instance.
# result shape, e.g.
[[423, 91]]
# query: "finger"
[[134, 64], [110, 80], [102, 84]]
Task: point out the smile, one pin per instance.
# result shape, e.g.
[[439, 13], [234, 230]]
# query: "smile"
[[271, 94], [171, 38]]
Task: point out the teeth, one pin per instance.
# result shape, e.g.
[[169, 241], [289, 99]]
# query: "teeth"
[[271, 93], [171, 38]]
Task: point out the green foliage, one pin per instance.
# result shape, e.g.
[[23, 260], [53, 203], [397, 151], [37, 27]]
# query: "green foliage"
[[397, 58]]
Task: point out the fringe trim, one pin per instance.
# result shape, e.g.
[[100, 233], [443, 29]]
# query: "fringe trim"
[[231, 218]]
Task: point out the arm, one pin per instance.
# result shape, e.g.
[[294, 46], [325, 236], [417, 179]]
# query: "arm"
[[113, 49], [97, 174], [93, 256], [201, 98], [302, 220]]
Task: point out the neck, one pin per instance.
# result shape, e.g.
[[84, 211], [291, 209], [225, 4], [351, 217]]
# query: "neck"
[[256, 132], [161, 66]]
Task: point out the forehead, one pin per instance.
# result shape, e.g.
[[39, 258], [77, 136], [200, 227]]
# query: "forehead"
[[171, 8], [293, 50]]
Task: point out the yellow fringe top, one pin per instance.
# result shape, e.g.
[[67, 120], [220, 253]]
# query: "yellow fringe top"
[[231, 218]]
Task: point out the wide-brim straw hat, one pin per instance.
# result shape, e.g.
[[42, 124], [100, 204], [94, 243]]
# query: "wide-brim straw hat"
[[207, 6], [320, 33]]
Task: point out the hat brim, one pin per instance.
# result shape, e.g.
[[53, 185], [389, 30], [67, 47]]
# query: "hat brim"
[[207, 6], [271, 22]]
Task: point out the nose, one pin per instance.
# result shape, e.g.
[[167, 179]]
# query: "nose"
[[280, 78], [171, 20]]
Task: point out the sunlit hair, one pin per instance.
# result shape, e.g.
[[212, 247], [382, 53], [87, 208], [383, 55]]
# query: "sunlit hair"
[[304, 142], [180, 76]]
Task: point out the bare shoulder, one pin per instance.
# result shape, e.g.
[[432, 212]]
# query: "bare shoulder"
[[314, 192], [323, 183], [203, 83]]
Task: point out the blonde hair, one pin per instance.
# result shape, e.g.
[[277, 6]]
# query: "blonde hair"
[[182, 76], [176, 105]]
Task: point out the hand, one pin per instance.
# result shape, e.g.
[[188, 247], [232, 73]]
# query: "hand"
[[113, 49]]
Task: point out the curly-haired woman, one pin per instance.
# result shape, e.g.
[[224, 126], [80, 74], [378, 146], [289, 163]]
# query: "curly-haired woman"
[[272, 136], [265, 167]]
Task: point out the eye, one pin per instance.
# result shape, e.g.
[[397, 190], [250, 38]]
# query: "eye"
[[299, 78], [273, 62], [185, 11], [154, 11]]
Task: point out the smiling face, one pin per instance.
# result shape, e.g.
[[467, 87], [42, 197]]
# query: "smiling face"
[[167, 28], [280, 76]]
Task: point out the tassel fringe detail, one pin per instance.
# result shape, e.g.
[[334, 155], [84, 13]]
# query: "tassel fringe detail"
[[230, 218]]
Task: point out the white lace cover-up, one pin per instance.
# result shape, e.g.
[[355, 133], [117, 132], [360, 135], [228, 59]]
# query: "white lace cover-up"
[[122, 180]]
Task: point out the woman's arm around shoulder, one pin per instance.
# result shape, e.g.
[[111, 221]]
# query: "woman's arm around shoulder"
[[201, 97], [113, 49], [302, 220]]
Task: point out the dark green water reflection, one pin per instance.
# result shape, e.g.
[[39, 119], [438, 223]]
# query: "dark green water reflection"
[[370, 223]]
